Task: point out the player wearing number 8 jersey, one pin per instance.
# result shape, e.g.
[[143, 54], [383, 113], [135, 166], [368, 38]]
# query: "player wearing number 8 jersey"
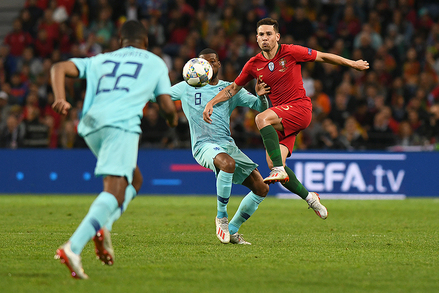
[[119, 84], [279, 66], [213, 147]]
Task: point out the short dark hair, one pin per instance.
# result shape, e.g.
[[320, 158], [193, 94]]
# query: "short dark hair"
[[208, 51], [268, 21], [133, 30]]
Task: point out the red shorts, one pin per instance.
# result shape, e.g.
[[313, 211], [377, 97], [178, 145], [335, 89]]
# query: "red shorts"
[[294, 119]]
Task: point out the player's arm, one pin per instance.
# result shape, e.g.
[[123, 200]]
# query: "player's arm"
[[338, 60], [262, 90], [167, 109], [222, 96], [58, 74]]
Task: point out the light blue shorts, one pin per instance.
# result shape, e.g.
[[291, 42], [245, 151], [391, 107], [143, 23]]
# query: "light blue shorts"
[[244, 165], [116, 151]]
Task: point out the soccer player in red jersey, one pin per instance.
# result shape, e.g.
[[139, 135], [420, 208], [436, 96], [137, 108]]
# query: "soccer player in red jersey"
[[278, 67]]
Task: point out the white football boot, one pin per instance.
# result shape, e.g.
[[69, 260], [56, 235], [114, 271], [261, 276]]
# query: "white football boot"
[[222, 229], [314, 203], [237, 239], [71, 260], [277, 175]]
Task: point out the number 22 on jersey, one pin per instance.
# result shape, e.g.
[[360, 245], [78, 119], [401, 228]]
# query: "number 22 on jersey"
[[113, 74]]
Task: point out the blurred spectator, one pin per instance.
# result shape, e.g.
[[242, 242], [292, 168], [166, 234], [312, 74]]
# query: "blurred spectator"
[[103, 27], [355, 136], [321, 102], [11, 134], [300, 27], [406, 136], [18, 90], [330, 137], [27, 22], [18, 39], [339, 111], [50, 26], [28, 58], [4, 108], [380, 135], [36, 133], [154, 129], [44, 46]]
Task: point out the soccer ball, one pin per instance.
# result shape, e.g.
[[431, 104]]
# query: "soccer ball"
[[197, 72]]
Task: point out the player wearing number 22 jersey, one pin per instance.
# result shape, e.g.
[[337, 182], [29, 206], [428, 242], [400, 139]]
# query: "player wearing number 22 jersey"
[[119, 84]]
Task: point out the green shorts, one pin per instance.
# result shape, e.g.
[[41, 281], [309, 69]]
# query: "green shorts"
[[116, 151], [244, 165]]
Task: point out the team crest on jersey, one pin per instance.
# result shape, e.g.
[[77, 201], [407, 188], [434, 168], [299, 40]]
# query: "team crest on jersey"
[[283, 64], [220, 89], [271, 66]]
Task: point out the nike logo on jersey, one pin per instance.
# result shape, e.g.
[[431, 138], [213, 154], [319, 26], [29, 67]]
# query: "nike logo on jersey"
[[259, 69]]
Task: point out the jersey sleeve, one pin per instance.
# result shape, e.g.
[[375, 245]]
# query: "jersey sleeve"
[[246, 99], [178, 90], [245, 76], [82, 64], [302, 54], [164, 84]]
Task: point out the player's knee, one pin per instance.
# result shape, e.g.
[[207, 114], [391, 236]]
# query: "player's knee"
[[259, 120], [262, 189], [137, 180], [229, 166], [225, 163]]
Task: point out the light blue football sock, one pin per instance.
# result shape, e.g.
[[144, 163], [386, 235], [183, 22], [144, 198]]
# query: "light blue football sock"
[[130, 194], [100, 210], [248, 206], [223, 190]]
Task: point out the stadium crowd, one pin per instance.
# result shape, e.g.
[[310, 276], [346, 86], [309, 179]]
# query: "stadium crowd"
[[393, 105]]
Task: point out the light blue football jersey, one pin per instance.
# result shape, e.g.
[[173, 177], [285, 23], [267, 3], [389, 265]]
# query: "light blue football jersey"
[[194, 100], [119, 84]]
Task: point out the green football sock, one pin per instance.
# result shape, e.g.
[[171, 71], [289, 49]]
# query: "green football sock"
[[100, 210], [294, 185], [223, 191], [271, 143], [130, 194], [248, 206]]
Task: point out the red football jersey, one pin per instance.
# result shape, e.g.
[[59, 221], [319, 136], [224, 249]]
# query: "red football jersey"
[[282, 73]]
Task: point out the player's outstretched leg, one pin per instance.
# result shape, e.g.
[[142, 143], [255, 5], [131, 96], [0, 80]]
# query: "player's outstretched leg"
[[224, 189], [311, 198], [248, 206], [100, 210], [71, 260], [313, 201]]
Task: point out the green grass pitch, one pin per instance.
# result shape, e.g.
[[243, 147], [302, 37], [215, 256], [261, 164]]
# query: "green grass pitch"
[[168, 244]]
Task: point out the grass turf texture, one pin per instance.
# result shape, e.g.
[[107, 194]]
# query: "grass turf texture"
[[167, 244]]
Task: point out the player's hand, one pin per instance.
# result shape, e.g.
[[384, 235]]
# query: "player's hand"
[[208, 110], [61, 107], [361, 65], [262, 88], [173, 122]]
